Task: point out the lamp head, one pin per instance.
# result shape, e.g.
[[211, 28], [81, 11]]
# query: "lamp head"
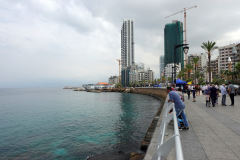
[[185, 49]]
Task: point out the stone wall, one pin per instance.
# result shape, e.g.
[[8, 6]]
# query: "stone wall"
[[156, 92], [161, 94]]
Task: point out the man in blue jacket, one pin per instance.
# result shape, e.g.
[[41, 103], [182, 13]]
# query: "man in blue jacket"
[[179, 107]]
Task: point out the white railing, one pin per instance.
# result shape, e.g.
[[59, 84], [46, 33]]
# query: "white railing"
[[165, 147]]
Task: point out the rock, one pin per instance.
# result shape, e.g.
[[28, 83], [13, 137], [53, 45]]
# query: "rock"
[[136, 156]]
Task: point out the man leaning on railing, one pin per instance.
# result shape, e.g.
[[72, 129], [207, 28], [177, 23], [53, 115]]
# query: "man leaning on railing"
[[179, 106]]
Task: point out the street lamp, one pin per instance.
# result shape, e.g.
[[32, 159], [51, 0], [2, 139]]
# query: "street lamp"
[[185, 50], [234, 51]]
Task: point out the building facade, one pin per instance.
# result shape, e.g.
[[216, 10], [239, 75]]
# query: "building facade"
[[227, 51], [127, 49], [173, 35], [214, 68], [169, 70], [161, 64], [113, 80]]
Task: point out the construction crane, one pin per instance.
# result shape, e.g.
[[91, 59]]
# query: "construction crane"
[[185, 27], [119, 79]]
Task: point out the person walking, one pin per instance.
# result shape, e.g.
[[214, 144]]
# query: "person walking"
[[231, 93], [213, 94], [224, 94], [193, 92], [179, 106], [188, 91]]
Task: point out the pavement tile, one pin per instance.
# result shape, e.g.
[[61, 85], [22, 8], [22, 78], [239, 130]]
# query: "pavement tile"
[[214, 132]]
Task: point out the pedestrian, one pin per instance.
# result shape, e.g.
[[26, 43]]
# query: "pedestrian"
[[224, 93], [231, 93], [213, 94], [188, 91], [216, 86], [180, 92], [179, 107], [199, 90], [193, 92]]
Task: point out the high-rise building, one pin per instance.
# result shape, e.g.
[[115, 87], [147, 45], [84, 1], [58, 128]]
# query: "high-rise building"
[[127, 43], [161, 64], [127, 49], [173, 35]]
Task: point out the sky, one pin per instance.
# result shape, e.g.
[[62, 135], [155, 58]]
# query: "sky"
[[57, 43]]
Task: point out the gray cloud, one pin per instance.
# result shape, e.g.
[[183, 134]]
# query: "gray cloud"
[[57, 42]]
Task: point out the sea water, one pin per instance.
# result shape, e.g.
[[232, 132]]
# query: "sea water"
[[50, 123]]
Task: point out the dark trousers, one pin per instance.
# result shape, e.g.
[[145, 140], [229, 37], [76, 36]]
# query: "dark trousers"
[[232, 98], [213, 98], [224, 99], [188, 92]]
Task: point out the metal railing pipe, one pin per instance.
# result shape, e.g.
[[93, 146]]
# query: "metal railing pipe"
[[165, 147]]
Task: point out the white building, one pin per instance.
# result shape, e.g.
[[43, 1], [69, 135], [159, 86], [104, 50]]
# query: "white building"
[[169, 70], [224, 53], [127, 49], [113, 80], [127, 43], [161, 64]]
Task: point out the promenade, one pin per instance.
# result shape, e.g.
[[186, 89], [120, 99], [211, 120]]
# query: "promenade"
[[214, 132]]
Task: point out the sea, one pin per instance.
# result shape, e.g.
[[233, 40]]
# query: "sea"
[[56, 123]]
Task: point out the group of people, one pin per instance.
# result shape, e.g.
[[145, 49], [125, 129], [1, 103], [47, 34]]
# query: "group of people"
[[211, 92]]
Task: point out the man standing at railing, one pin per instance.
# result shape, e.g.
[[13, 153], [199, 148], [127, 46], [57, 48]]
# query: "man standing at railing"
[[179, 106]]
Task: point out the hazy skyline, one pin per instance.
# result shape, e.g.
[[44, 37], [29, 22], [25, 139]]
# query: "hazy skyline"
[[58, 42]]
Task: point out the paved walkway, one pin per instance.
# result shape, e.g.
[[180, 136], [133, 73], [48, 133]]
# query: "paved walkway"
[[214, 132]]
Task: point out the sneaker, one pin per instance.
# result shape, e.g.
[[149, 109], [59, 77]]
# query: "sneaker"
[[180, 128], [231, 105], [186, 128]]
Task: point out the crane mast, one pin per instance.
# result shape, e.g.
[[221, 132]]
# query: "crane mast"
[[185, 26]]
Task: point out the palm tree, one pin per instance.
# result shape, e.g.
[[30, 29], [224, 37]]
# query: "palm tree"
[[163, 79], [222, 75], [189, 68], [180, 74], [195, 61], [237, 67], [209, 47]]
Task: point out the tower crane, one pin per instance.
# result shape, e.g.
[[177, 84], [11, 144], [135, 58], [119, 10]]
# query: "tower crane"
[[119, 76], [185, 27]]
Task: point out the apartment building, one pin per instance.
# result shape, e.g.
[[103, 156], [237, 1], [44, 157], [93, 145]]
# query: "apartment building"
[[169, 70], [232, 51], [214, 68]]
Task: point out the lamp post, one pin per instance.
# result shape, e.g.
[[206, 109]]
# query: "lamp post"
[[185, 50], [234, 51]]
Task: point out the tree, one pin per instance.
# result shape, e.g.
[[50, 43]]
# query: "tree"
[[169, 79], [195, 61], [209, 47], [163, 79], [189, 68], [237, 68], [180, 74]]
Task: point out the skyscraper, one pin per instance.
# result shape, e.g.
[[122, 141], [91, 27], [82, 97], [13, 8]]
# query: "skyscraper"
[[173, 35], [127, 49]]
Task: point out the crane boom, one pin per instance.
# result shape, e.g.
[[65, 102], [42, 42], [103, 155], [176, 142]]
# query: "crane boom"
[[184, 10]]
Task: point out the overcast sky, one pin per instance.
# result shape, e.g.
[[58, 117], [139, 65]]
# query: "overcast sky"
[[48, 43]]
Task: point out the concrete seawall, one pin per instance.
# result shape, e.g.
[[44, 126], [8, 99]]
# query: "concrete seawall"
[[161, 94]]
